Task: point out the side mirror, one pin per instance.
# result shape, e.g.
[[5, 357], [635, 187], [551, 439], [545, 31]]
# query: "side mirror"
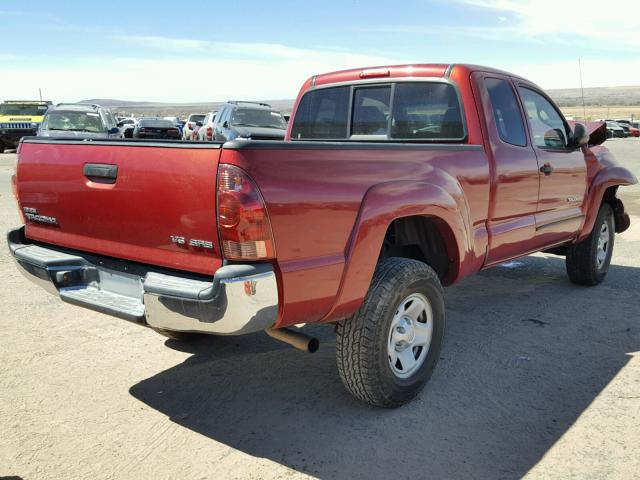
[[120, 124], [580, 135], [225, 124], [554, 138], [113, 131]]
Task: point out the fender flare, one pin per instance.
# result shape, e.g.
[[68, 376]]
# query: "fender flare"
[[381, 205], [606, 178]]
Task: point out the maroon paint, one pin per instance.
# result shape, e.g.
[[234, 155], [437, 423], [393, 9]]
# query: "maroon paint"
[[329, 207]]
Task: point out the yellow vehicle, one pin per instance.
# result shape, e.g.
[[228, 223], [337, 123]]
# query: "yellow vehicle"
[[20, 118]]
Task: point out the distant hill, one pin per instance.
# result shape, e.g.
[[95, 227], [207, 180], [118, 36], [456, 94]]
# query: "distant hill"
[[602, 96], [566, 97]]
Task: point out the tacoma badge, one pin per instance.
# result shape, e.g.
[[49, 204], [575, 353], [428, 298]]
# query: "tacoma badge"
[[32, 214]]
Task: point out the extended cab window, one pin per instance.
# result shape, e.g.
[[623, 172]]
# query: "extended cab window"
[[506, 112], [426, 111], [547, 126], [322, 114]]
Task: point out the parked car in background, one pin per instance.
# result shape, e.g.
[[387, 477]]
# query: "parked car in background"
[[248, 120], [176, 121], [634, 130], [194, 132], [127, 125], [626, 128], [20, 118], [614, 130], [205, 133], [79, 120], [157, 128], [190, 125]]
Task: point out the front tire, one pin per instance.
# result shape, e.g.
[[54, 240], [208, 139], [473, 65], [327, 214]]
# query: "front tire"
[[588, 261], [387, 350]]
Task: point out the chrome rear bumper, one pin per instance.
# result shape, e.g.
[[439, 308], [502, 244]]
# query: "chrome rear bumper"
[[239, 299]]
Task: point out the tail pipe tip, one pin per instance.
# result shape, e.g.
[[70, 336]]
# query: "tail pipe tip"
[[296, 339]]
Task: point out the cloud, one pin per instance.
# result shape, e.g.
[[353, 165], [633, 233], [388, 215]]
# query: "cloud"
[[566, 24], [184, 45], [189, 47], [244, 71], [604, 25]]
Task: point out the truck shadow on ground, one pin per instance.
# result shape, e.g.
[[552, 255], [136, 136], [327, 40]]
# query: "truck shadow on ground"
[[525, 354]]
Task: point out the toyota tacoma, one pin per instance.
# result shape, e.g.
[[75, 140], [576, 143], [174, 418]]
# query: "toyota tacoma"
[[391, 183]]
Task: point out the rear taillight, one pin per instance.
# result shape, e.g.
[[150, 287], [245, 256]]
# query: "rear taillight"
[[190, 126], [209, 133], [245, 230]]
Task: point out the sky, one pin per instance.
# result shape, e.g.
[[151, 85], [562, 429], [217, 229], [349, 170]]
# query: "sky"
[[190, 51]]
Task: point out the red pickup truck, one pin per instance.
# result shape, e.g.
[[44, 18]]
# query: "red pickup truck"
[[390, 183]]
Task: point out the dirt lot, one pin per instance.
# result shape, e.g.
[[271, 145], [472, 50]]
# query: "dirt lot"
[[538, 377]]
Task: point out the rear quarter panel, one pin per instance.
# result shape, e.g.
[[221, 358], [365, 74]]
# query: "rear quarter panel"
[[315, 196]]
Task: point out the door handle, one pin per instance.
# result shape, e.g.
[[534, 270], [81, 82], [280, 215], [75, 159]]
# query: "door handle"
[[546, 169], [101, 172]]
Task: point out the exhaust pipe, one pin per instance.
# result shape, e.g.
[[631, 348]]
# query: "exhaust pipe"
[[294, 338]]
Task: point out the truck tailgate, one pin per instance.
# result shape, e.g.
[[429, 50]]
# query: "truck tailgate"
[[152, 203]]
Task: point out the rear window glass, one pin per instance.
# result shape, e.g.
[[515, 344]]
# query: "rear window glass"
[[73, 122], [426, 111], [322, 114], [156, 123], [371, 111], [418, 110], [196, 118], [22, 109], [259, 118]]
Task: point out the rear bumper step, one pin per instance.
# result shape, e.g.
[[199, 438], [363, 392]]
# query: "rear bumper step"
[[239, 299]]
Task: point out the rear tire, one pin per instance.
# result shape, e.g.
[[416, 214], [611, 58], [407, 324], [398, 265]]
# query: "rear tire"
[[388, 349], [179, 336], [1, 146], [588, 261]]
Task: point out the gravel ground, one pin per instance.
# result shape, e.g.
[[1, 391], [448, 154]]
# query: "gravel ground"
[[538, 378]]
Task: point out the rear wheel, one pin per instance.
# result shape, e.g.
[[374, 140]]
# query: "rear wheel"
[[179, 336], [388, 349], [588, 261], [1, 146]]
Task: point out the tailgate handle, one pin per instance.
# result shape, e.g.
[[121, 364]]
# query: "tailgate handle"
[[101, 172]]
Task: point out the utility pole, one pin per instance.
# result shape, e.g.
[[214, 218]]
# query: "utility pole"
[[40, 93], [584, 108]]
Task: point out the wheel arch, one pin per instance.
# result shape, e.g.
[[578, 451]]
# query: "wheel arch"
[[603, 189], [387, 206]]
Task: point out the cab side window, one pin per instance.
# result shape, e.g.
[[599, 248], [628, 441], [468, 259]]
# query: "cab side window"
[[506, 112], [548, 128]]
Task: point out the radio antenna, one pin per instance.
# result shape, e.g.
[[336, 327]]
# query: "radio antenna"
[[584, 109]]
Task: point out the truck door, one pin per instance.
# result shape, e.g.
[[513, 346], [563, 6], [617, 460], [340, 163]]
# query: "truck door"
[[563, 169], [515, 180]]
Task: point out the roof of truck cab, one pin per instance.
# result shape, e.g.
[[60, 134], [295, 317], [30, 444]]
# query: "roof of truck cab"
[[432, 70]]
